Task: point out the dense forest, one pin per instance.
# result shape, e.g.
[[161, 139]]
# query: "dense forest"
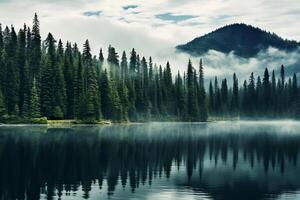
[[48, 79]]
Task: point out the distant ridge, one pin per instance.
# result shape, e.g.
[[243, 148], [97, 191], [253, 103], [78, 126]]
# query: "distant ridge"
[[245, 40]]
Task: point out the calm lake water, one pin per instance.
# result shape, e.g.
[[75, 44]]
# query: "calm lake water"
[[224, 161]]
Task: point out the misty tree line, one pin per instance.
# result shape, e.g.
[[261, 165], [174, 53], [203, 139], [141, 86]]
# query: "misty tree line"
[[268, 96], [48, 79]]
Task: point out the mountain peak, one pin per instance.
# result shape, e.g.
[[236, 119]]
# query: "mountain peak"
[[244, 40]]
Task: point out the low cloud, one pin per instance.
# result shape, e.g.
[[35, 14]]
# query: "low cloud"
[[92, 13], [128, 7], [174, 17]]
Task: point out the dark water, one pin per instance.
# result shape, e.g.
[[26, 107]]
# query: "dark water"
[[239, 160]]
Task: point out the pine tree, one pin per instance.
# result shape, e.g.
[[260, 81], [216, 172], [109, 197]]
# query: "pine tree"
[[21, 60], [133, 62], [48, 79], [27, 91], [245, 99], [266, 91], [211, 98], [217, 97], [105, 99], [224, 97], [35, 111], [35, 49], [2, 66], [259, 96], [124, 66], [180, 98], [235, 96], [294, 96], [78, 90], [11, 76], [101, 59], [59, 83], [192, 105], [145, 88], [202, 94], [113, 61], [116, 106], [274, 94], [251, 95], [124, 102], [2, 105], [169, 90], [69, 81], [91, 90]]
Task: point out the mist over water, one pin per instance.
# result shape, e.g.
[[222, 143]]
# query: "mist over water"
[[222, 160]]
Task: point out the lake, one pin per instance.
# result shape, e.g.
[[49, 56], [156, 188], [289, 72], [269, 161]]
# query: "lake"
[[222, 160]]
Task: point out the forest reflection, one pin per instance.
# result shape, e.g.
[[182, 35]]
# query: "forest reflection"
[[225, 161]]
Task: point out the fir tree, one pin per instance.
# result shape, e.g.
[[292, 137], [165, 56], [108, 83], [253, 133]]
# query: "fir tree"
[[35, 49], [2, 105], [78, 90], [211, 98], [202, 94], [224, 97], [12, 71], [192, 105], [69, 81], [48, 78], [266, 91], [35, 111], [91, 90], [21, 60]]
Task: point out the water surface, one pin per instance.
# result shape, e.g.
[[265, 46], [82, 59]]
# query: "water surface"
[[224, 161]]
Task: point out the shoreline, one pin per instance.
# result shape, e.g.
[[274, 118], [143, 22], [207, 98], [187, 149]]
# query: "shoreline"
[[69, 123]]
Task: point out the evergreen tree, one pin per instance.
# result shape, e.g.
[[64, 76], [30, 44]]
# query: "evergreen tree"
[[11, 76], [202, 94], [21, 60], [245, 99], [217, 97], [259, 96], [35, 111], [78, 90], [35, 49], [91, 90], [192, 105], [180, 98], [2, 66], [105, 98], [101, 60], [59, 83], [224, 96], [48, 79], [211, 99], [133, 62], [251, 95], [235, 96], [69, 83], [124, 66], [274, 94], [266, 91], [2, 105]]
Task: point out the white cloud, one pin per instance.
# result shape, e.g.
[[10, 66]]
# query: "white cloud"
[[139, 28]]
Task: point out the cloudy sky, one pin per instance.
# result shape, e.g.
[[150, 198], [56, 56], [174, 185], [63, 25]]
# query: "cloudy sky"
[[155, 27]]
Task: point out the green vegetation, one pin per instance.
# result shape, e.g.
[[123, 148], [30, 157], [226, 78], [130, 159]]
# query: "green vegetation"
[[43, 80]]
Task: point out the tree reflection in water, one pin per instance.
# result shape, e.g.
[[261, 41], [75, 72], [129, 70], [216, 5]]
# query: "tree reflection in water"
[[222, 160]]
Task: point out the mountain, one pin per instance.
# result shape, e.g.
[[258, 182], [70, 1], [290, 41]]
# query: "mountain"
[[245, 40]]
